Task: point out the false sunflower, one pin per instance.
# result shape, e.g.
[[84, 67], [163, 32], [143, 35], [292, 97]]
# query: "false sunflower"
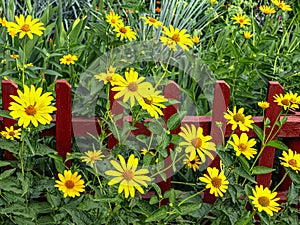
[[68, 59], [90, 157], [114, 19], [238, 119], [153, 104], [264, 200], [193, 164], [10, 133], [25, 26], [286, 101], [243, 146], [125, 32], [291, 160], [263, 105], [32, 107], [152, 21], [128, 176], [215, 181], [242, 20], [281, 4], [109, 77], [196, 142], [267, 9]]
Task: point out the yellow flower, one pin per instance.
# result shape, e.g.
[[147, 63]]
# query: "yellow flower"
[[12, 32], [26, 26], [212, 1], [32, 107], [114, 19], [152, 21], [176, 36], [291, 160], [242, 20], [267, 9], [217, 182], [70, 184], [68, 59], [243, 146], [281, 4], [196, 39], [14, 56], [3, 21], [153, 103], [264, 105], [128, 176], [264, 200], [11, 133], [28, 65], [248, 35], [109, 76], [193, 164], [237, 118], [196, 142], [144, 151], [125, 32], [293, 97], [285, 101], [132, 87], [92, 157]]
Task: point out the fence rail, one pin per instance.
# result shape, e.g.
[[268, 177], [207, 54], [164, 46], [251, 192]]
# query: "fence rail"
[[67, 126]]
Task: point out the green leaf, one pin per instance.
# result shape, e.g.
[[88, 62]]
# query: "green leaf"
[[157, 189], [5, 113], [155, 127], [4, 163], [7, 173], [175, 120], [293, 196], [157, 215], [153, 200], [258, 131], [261, 170], [241, 172], [244, 162], [226, 158], [278, 144], [189, 207]]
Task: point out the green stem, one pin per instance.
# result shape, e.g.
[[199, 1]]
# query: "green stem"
[[168, 167], [280, 182], [23, 62], [21, 157], [192, 196], [165, 72], [249, 218]]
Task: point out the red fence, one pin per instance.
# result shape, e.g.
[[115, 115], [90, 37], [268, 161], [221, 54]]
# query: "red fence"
[[67, 127]]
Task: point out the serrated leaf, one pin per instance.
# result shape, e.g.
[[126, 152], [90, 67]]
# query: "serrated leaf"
[[7, 173], [188, 208], [261, 170], [175, 120], [241, 172], [157, 215], [292, 195], [225, 157], [244, 162], [155, 127], [278, 144], [258, 131]]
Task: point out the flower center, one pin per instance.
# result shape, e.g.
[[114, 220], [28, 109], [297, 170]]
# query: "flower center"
[[239, 118], [109, 78], [152, 20], [25, 28], [197, 142], [69, 59], [285, 102], [148, 101], [123, 30], [128, 175], [241, 20], [176, 38], [216, 182], [293, 162], [132, 86], [30, 110], [280, 5], [11, 133], [242, 147], [113, 21], [69, 184], [264, 201]]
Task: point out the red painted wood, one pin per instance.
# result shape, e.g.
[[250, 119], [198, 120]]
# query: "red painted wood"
[[8, 88], [220, 105], [63, 118], [267, 157]]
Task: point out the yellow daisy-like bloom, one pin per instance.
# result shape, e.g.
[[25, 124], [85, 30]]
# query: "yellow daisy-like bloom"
[[125, 32], [10, 133], [215, 181], [285, 101], [193, 164], [196, 142], [68, 59], [3, 21], [243, 146], [212, 1], [152, 21], [14, 56], [26, 26], [153, 103], [32, 107], [242, 20], [128, 176], [132, 87], [281, 4], [70, 184], [293, 97], [196, 39], [144, 151], [91, 157], [267, 9], [114, 19], [264, 105], [248, 35], [110, 76], [264, 200], [176, 36], [291, 160], [238, 119]]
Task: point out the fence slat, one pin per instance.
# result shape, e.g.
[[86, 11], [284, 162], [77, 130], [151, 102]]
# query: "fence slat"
[[267, 156], [220, 105], [8, 88], [63, 118]]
